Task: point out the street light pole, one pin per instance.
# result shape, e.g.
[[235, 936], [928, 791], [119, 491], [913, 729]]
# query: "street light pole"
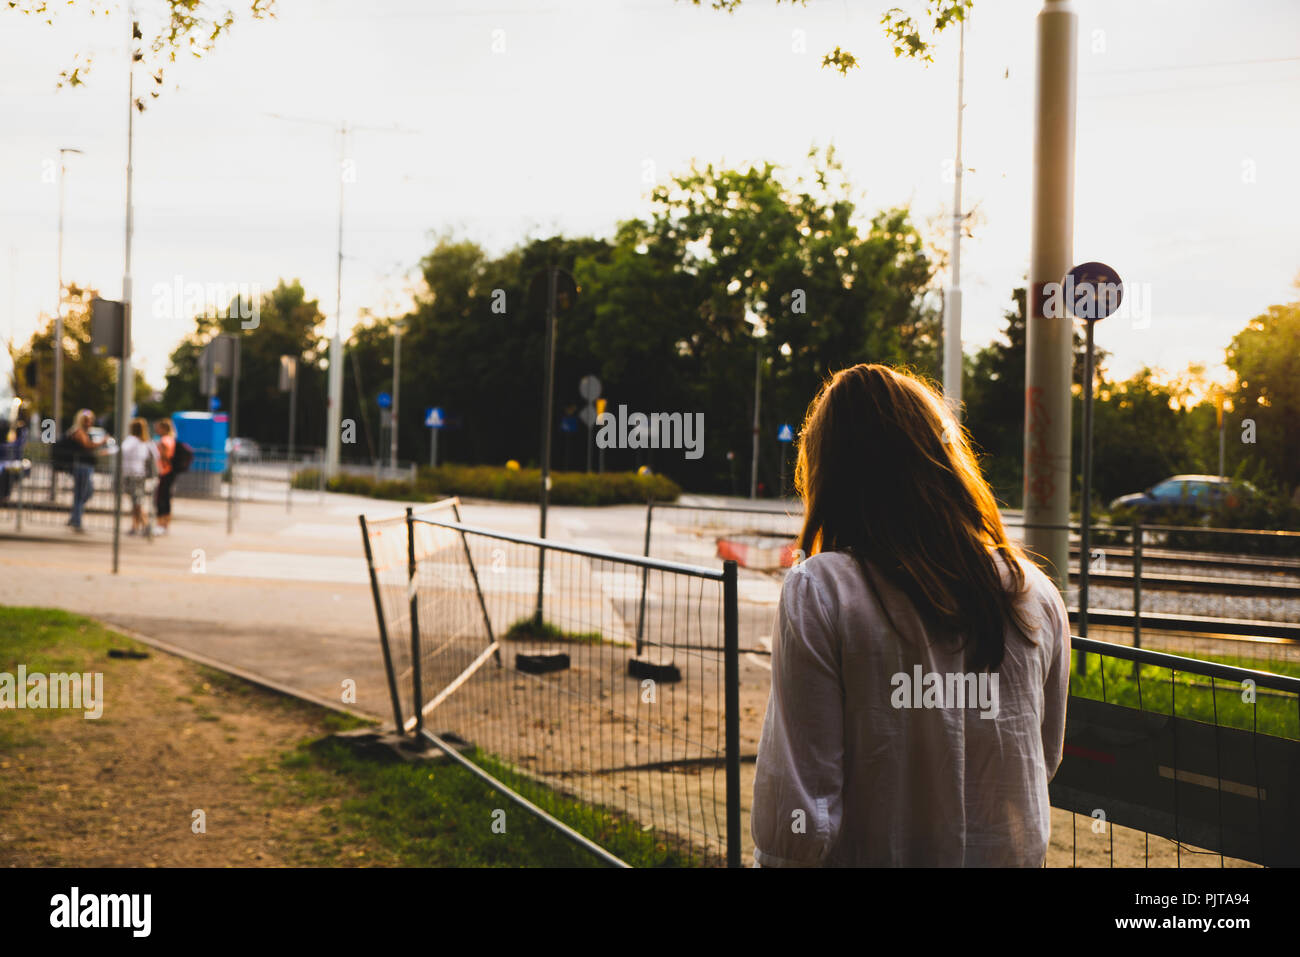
[[335, 419], [58, 311], [124, 363], [952, 356]]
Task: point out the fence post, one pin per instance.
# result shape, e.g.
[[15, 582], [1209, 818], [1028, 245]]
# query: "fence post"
[[469, 559], [413, 596], [731, 653], [645, 575], [383, 629], [18, 489], [1137, 583]]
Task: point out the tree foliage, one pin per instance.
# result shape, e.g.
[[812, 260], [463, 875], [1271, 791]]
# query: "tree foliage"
[[89, 381], [912, 34], [287, 324], [1265, 358], [190, 27]]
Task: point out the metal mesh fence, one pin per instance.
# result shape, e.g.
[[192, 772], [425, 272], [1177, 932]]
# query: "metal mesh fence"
[[43, 497], [1176, 762], [388, 556], [641, 750], [38, 496]]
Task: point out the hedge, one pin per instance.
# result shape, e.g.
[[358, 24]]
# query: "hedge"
[[512, 485]]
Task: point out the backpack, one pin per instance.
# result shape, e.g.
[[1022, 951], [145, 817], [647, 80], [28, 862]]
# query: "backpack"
[[67, 453], [182, 457]]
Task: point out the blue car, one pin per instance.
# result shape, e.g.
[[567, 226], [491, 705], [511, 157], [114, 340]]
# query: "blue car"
[[1197, 493]]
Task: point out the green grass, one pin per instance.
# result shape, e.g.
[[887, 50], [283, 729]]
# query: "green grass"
[[441, 815], [1213, 701], [49, 641], [527, 629], [420, 815]]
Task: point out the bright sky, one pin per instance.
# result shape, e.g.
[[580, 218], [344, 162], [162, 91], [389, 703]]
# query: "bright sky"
[[1185, 175]]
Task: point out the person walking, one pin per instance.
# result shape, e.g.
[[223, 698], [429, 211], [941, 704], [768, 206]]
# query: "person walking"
[[83, 465], [139, 464], [166, 475], [920, 669]]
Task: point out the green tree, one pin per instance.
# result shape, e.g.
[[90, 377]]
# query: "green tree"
[[1265, 358], [682, 298], [89, 381], [287, 324], [191, 27]]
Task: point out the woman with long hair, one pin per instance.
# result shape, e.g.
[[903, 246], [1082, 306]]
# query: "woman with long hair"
[[166, 475], [83, 465], [921, 665]]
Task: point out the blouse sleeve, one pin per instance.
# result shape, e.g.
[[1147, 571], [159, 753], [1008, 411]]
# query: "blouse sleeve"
[[799, 773], [1056, 689]]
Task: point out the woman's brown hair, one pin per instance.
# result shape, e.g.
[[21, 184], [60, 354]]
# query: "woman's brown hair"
[[140, 429], [888, 475]]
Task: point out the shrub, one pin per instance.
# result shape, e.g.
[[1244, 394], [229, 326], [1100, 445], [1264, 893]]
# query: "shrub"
[[511, 485]]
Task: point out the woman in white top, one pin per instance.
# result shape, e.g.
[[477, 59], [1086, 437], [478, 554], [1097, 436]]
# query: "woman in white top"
[[138, 455], [921, 666]]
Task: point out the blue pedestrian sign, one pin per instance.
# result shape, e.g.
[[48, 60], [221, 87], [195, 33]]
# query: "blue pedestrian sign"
[[433, 418], [568, 424], [213, 404], [385, 400], [785, 434]]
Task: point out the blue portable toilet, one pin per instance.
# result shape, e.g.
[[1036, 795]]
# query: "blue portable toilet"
[[206, 433]]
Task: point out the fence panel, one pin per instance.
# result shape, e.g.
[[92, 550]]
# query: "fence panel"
[[1177, 762], [43, 498], [629, 749], [387, 548]]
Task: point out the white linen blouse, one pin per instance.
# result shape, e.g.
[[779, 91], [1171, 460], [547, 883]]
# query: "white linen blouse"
[[867, 760]]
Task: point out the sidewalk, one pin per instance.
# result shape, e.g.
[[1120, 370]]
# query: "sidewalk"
[[285, 596]]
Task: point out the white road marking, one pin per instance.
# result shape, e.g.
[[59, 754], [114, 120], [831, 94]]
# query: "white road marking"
[[289, 566]]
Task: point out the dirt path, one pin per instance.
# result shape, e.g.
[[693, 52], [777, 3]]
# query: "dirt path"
[[121, 791]]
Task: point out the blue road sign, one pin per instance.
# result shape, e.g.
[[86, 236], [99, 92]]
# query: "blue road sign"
[[1093, 291], [785, 434], [433, 418], [213, 404], [569, 424], [385, 400]]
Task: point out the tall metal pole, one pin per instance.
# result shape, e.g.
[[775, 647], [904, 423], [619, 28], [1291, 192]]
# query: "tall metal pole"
[[753, 465], [58, 319], [335, 418], [1049, 356], [1085, 498], [234, 433], [58, 311], [397, 385], [952, 355], [293, 421], [124, 363], [547, 404]]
